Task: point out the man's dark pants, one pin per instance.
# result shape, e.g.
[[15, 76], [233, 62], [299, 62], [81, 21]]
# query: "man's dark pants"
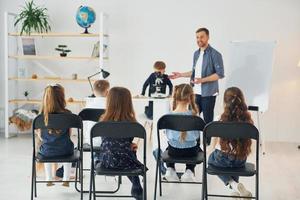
[[206, 105]]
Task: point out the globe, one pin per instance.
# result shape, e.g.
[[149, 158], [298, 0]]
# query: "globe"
[[85, 17]]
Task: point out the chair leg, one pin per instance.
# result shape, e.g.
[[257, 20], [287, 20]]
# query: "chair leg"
[[81, 178], [155, 184], [203, 184], [151, 131], [206, 186], [34, 170], [94, 186], [159, 173], [145, 186], [257, 187], [76, 176], [91, 182], [32, 178]]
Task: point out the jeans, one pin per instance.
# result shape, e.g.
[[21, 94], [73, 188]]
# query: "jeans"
[[187, 152], [207, 106], [162, 166], [220, 159]]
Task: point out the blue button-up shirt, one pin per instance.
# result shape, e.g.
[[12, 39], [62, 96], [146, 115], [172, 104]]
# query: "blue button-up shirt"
[[212, 63]]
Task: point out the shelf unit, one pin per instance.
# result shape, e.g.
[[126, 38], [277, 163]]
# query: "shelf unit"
[[37, 101], [16, 101], [39, 57], [61, 34], [50, 79]]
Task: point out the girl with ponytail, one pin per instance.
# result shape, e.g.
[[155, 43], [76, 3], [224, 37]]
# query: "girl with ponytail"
[[55, 142], [183, 144], [232, 153]]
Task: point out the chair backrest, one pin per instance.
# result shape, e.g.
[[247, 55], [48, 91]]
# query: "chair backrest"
[[231, 130], [119, 130], [58, 121], [180, 123], [91, 114]]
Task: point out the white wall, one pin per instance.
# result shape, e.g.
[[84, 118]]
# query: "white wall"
[[144, 31]]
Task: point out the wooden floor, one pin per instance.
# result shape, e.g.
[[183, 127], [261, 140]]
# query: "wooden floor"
[[279, 176]]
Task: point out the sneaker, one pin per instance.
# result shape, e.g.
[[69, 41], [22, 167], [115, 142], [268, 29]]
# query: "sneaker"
[[66, 184], [233, 192], [171, 175], [188, 176], [243, 191], [49, 183]]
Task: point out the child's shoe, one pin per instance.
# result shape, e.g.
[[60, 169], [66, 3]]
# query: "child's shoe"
[[49, 183], [66, 184], [188, 176], [171, 175]]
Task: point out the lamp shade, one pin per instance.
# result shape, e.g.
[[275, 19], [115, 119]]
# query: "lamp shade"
[[105, 74]]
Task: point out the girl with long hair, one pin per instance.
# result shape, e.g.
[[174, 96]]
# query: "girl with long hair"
[[183, 144], [55, 142], [232, 153], [120, 153]]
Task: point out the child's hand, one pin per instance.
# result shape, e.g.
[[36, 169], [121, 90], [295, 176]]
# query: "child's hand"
[[134, 146]]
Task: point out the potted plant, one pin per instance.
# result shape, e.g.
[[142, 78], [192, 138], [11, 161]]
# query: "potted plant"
[[33, 19], [63, 50]]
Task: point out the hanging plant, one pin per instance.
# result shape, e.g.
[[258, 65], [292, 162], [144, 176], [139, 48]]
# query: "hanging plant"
[[33, 19]]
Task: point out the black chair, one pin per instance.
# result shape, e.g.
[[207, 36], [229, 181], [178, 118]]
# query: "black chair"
[[90, 114], [59, 122], [93, 115], [178, 123], [231, 130], [117, 130]]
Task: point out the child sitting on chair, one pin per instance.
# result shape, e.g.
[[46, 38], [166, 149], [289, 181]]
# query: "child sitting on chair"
[[101, 88], [183, 144], [232, 153], [55, 142], [157, 82], [120, 153]]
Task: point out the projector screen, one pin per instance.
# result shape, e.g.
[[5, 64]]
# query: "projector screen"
[[250, 69]]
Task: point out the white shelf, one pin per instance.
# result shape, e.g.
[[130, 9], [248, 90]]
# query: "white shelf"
[[38, 57], [36, 101], [11, 60], [57, 34], [50, 79]]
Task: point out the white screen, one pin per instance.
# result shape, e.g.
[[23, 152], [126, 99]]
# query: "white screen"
[[250, 69]]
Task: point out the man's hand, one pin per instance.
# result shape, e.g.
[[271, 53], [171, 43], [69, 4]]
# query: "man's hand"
[[197, 81], [175, 75]]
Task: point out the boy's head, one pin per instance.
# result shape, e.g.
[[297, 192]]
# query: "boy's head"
[[159, 66], [101, 88]]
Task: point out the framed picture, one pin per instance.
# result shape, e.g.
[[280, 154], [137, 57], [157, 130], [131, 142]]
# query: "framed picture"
[[95, 53], [28, 45]]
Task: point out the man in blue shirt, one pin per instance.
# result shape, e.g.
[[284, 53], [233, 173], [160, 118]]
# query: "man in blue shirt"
[[207, 70]]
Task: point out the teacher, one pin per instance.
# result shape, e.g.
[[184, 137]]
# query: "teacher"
[[207, 70]]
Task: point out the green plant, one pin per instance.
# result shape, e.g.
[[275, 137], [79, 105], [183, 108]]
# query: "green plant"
[[33, 18], [63, 50]]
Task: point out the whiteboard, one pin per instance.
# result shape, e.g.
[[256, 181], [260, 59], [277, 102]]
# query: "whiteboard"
[[250, 69]]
